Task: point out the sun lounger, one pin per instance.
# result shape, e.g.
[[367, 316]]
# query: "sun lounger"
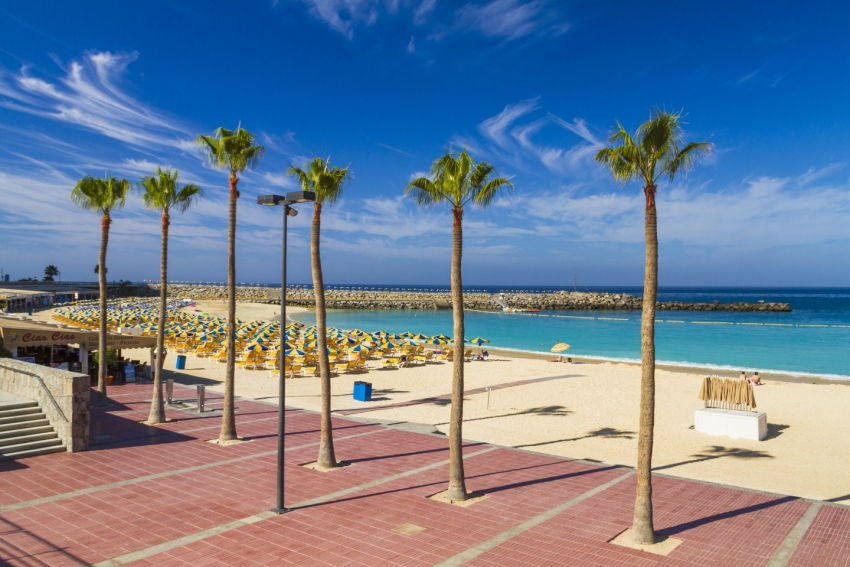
[[393, 363], [294, 371]]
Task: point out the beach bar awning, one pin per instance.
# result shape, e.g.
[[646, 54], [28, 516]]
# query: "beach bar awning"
[[28, 333], [119, 341], [23, 333]]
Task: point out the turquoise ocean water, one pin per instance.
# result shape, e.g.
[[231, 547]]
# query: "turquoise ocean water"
[[812, 340]]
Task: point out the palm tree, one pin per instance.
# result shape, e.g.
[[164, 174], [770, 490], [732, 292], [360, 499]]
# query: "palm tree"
[[234, 150], [102, 196], [457, 180], [656, 150], [162, 193], [327, 183], [50, 272]]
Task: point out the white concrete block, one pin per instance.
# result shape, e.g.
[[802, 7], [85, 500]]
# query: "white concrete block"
[[735, 424]]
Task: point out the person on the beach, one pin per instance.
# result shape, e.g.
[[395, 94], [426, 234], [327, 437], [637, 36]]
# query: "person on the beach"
[[743, 376], [569, 360], [559, 359], [485, 354], [755, 380]]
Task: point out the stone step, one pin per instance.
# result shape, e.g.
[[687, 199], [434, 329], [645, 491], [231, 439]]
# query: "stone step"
[[7, 450], [26, 417], [18, 405], [19, 411], [21, 431], [38, 421], [31, 452], [27, 439]]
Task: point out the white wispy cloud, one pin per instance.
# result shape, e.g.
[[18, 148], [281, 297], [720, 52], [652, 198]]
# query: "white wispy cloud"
[[280, 180], [503, 19], [422, 11], [89, 95], [494, 128], [344, 15], [814, 174], [757, 214], [510, 19], [510, 137]]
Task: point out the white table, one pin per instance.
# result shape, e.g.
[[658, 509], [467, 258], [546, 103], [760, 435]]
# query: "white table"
[[731, 423]]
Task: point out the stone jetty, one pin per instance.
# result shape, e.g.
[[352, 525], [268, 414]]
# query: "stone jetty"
[[406, 299]]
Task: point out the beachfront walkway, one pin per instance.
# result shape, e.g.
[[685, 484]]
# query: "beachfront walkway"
[[165, 496]]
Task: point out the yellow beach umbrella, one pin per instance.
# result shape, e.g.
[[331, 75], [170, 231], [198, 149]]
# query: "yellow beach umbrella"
[[560, 347]]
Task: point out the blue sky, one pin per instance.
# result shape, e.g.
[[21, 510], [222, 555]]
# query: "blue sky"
[[532, 86]]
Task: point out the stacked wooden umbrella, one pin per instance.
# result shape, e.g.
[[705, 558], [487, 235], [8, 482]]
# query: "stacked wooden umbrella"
[[727, 393]]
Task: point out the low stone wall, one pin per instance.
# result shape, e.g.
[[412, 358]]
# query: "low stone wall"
[[62, 395]]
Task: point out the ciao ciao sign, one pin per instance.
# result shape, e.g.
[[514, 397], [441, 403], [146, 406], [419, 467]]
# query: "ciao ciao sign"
[[30, 337]]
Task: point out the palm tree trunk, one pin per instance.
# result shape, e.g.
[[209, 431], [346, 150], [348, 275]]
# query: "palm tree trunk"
[[228, 419], [101, 280], [157, 414], [643, 531], [326, 459], [457, 484]]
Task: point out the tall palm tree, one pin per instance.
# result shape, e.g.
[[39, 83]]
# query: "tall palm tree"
[[656, 150], [457, 180], [235, 151], [327, 183], [161, 192], [101, 196]]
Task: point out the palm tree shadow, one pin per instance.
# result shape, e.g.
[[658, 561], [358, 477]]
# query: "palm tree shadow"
[[719, 452], [605, 432], [23, 540], [838, 498], [673, 530], [559, 411], [442, 402]]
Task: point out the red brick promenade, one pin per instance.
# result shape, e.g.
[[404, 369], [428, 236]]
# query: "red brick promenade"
[[164, 496]]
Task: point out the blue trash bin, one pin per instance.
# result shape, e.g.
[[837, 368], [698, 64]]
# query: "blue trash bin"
[[363, 391], [181, 362]]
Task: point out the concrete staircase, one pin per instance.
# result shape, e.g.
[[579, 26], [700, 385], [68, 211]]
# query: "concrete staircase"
[[25, 431]]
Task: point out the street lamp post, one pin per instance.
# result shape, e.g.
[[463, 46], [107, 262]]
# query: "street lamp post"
[[270, 201]]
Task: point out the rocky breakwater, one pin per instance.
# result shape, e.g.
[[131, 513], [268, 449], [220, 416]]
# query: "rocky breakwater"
[[717, 306], [562, 300], [410, 299], [374, 299], [210, 291]]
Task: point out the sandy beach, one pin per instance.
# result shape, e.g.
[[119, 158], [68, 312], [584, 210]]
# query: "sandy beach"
[[586, 411]]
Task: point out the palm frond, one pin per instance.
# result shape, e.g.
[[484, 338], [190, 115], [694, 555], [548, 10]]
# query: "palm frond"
[[457, 180], [236, 151], [325, 181], [188, 194], [86, 193], [622, 161], [302, 177], [687, 158], [101, 195], [425, 192], [212, 149], [162, 192], [485, 195], [480, 173], [653, 151]]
